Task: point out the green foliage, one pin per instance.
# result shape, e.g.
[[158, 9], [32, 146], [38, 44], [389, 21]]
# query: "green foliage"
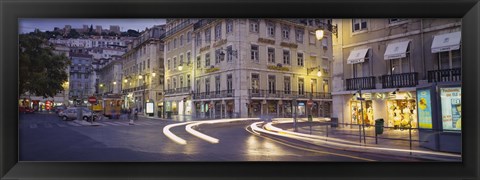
[[73, 34], [42, 72]]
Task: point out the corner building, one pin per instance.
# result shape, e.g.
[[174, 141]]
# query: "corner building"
[[387, 59], [226, 68]]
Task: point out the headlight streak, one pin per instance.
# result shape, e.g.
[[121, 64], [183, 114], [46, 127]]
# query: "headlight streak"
[[321, 139], [189, 128], [173, 137], [254, 127]]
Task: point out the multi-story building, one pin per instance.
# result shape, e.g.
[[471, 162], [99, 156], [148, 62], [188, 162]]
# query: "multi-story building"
[[110, 77], [388, 60], [143, 70], [401, 68], [247, 67], [115, 29], [179, 69], [81, 80]]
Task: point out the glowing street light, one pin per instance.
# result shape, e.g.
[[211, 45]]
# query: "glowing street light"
[[319, 34], [114, 82], [125, 80], [154, 74], [319, 73], [140, 76], [180, 67]]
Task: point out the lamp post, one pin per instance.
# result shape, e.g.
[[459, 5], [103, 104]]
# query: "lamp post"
[[361, 99]]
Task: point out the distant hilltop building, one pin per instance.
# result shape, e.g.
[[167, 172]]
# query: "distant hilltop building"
[[115, 29]]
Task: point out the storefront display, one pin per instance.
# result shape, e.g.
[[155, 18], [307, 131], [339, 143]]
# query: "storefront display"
[[402, 113], [450, 99], [424, 109], [355, 107]]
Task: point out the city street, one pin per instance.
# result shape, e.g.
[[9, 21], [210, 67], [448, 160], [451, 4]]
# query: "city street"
[[44, 137]]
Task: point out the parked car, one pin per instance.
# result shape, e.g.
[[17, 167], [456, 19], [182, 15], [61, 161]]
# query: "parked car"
[[71, 113], [25, 110], [59, 108]]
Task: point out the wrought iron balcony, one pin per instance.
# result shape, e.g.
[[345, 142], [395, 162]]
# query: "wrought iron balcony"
[[214, 94], [400, 80], [445, 75], [288, 94], [178, 90], [361, 83]]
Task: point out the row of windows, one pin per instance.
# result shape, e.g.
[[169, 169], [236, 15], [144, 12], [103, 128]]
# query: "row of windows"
[[361, 24], [138, 67], [179, 42], [255, 84], [181, 83], [271, 27], [181, 60], [286, 56], [79, 76]]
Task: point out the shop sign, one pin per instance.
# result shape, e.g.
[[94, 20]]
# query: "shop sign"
[[450, 99], [424, 105], [92, 99], [149, 109], [48, 105]]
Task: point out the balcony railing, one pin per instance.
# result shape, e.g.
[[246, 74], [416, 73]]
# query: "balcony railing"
[[445, 75], [214, 94], [288, 94], [361, 83], [400, 80], [178, 90], [178, 27]]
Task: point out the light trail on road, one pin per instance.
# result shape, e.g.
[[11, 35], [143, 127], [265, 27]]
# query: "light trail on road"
[[173, 137], [189, 128], [322, 139], [255, 128]]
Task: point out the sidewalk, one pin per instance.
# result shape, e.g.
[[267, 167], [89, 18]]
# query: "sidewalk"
[[390, 139]]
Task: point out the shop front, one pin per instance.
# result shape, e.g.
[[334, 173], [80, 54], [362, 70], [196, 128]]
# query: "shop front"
[[230, 106], [398, 109]]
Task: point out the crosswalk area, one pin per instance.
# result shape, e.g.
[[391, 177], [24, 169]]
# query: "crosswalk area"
[[64, 124]]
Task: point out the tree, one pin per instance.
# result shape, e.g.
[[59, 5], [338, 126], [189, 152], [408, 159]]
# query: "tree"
[[133, 33], [42, 73], [73, 34], [112, 33]]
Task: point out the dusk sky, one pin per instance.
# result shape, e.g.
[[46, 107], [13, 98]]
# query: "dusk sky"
[[30, 24]]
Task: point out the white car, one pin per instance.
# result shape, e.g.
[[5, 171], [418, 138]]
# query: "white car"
[[71, 113]]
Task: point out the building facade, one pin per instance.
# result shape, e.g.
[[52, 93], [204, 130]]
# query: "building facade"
[[386, 61], [110, 77], [247, 67], [143, 70], [81, 79]]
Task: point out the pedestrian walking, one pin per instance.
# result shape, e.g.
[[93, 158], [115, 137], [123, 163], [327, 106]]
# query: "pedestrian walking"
[[135, 116]]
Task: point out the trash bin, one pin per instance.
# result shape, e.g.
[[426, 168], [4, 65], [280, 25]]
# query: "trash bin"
[[333, 122], [169, 114], [310, 118], [379, 123]]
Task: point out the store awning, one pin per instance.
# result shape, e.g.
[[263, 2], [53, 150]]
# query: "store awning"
[[446, 42], [396, 50], [357, 56]]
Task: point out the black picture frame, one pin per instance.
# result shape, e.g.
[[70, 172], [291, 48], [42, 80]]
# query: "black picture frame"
[[11, 10]]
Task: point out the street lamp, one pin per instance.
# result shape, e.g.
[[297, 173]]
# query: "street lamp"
[[319, 34], [126, 80], [154, 74], [140, 76], [180, 67], [114, 82]]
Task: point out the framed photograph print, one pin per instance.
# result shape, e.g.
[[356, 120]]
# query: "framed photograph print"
[[239, 89]]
